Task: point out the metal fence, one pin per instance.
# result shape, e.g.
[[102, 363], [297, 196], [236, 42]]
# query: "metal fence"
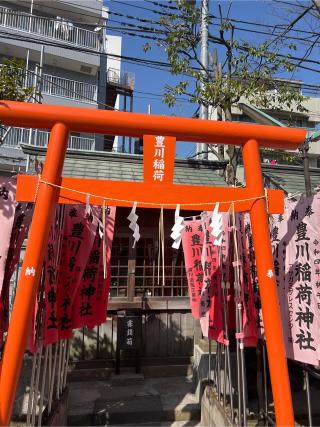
[[121, 78], [40, 138], [72, 89], [173, 331], [59, 86], [56, 29]]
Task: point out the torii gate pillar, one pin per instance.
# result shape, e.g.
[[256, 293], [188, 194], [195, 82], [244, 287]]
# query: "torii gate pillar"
[[267, 286], [64, 119]]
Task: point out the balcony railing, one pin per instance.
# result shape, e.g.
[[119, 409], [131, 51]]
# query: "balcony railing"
[[66, 88], [59, 86], [121, 78], [56, 29], [40, 138]]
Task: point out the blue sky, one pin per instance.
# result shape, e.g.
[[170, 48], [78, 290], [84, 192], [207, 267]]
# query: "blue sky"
[[151, 81]]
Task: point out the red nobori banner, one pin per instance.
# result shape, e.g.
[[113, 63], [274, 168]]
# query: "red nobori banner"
[[90, 305], [192, 242], [78, 238], [19, 232]]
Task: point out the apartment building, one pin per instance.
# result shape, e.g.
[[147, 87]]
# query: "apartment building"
[[283, 169], [69, 59], [247, 113]]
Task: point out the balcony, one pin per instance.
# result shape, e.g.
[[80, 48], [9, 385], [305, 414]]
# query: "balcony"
[[55, 29], [59, 86], [40, 138], [72, 89], [124, 79]]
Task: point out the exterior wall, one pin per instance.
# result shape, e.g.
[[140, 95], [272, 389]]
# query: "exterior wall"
[[113, 46], [89, 6], [88, 11], [55, 55], [58, 100], [309, 119], [68, 74], [313, 107]]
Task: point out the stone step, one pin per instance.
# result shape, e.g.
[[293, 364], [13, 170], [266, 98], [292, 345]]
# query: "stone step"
[[165, 424], [137, 410], [126, 379], [152, 371], [156, 401]]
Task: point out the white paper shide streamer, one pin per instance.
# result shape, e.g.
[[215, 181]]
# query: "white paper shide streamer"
[[88, 210], [133, 218], [177, 228], [216, 225], [204, 246]]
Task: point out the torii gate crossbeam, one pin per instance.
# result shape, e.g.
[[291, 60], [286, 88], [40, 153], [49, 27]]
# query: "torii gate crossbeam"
[[62, 120]]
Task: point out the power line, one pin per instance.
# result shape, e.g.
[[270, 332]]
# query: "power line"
[[152, 95], [141, 60], [141, 7], [168, 14], [44, 79], [162, 5], [130, 33], [270, 34], [282, 26], [81, 96], [159, 31], [138, 61], [289, 4], [136, 18], [138, 27]]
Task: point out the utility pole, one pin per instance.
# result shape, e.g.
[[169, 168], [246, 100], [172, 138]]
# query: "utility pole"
[[304, 149], [202, 149]]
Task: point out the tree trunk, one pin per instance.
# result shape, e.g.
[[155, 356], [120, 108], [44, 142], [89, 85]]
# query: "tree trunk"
[[231, 169], [217, 70]]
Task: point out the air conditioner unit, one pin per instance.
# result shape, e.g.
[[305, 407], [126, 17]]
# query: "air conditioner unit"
[[85, 69]]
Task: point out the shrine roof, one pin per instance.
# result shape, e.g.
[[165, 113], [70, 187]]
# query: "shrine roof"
[[11, 160], [289, 178], [129, 167]]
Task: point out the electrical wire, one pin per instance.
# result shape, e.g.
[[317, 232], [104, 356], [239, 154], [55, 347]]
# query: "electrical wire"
[[157, 65], [141, 7], [141, 29], [162, 5], [282, 26], [147, 63], [82, 97]]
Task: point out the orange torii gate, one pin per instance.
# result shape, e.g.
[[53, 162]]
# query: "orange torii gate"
[[47, 191]]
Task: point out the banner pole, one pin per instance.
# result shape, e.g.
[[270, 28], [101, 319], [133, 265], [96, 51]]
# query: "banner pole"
[[268, 289], [45, 200]]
